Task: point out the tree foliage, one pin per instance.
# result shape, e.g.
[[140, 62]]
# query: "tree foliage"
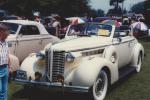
[[115, 3], [147, 11], [46, 7], [138, 8], [117, 10]]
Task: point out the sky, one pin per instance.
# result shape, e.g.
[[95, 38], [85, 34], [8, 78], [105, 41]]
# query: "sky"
[[104, 4]]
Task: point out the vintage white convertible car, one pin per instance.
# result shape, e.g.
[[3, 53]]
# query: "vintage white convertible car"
[[90, 58], [26, 37]]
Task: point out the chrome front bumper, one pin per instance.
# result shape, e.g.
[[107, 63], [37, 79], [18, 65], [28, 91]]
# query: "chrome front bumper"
[[52, 86]]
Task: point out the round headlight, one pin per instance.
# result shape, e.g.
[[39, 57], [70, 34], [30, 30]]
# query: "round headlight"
[[70, 57], [40, 56]]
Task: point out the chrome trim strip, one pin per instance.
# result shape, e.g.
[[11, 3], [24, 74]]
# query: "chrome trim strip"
[[25, 39], [92, 52], [124, 42], [51, 64], [87, 48]]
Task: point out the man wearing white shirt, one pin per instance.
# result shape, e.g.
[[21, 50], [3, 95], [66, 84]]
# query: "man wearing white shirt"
[[4, 62]]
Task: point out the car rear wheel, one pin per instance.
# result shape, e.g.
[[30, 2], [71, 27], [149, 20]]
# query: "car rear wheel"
[[100, 86], [139, 63]]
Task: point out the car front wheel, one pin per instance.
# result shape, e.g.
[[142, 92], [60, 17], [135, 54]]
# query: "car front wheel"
[[100, 86]]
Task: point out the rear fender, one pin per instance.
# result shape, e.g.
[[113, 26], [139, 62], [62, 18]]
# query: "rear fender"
[[136, 51]]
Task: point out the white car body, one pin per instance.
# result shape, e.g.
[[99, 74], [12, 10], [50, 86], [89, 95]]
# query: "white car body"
[[78, 60], [21, 44]]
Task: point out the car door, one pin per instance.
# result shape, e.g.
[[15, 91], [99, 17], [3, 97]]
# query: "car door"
[[28, 41], [123, 42]]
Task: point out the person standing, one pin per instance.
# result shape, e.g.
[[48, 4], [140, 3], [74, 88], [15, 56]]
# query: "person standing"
[[57, 25], [4, 62]]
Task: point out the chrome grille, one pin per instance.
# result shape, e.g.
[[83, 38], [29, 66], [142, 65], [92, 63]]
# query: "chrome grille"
[[58, 64], [55, 61]]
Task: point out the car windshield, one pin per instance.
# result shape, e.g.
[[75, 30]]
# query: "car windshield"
[[90, 29], [12, 26]]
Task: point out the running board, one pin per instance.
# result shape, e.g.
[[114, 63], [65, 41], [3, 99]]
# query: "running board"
[[125, 71]]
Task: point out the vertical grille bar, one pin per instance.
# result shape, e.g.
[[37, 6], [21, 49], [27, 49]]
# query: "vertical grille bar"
[[47, 63]]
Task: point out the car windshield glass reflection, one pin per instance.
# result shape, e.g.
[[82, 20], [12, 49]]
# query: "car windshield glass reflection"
[[90, 29], [13, 27]]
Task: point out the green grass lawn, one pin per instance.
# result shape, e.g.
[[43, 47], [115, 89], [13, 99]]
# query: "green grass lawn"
[[134, 87]]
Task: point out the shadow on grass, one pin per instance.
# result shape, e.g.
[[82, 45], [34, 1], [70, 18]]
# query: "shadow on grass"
[[121, 81], [145, 39], [39, 94]]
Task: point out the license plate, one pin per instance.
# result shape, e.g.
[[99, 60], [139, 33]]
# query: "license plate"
[[21, 75]]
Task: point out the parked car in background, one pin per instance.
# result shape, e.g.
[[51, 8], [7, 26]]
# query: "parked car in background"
[[26, 37], [92, 57]]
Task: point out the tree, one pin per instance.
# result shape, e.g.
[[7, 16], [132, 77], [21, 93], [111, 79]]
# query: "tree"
[[147, 11], [100, 13], [114, 12], [116, 3], [22, 7], [46, 7], [138, 8]]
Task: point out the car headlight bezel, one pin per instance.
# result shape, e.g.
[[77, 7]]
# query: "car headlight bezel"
[[40, 56], [70, 57]]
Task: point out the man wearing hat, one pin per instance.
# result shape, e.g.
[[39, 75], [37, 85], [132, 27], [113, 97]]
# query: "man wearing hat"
[[4, 60]]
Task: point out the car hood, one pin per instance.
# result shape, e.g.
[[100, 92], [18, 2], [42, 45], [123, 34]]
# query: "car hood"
[[80, 43]]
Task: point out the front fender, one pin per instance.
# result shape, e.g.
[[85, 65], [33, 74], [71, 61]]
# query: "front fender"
[[86, 73], [14, 62], [31, 65]]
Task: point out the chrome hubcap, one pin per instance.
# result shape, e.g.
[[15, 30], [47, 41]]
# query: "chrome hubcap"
[[100, 86]]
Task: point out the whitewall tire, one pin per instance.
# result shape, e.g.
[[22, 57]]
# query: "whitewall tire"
[[100, 86], [139, 63]]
